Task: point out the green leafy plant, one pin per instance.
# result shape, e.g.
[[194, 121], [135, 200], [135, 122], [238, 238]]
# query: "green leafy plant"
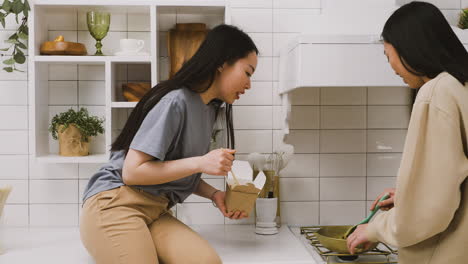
[[15, 7], [463, 23], [89, 126]]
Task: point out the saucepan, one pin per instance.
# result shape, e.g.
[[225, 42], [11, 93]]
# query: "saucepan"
[[331, 237]]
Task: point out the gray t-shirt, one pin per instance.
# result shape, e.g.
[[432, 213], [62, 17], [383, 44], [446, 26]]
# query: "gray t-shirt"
[[179, 126]]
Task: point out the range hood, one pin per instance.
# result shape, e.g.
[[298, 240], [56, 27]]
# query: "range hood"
[[342, 48]]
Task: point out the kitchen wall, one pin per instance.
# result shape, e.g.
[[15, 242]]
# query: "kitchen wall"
[[348, 141]]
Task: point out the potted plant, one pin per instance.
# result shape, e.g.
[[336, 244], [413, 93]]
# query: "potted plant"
[[74, 131], [18, 40], [463, 22]]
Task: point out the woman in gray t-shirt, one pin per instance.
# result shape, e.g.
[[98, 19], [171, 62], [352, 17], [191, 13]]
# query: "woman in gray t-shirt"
[[157, 160]]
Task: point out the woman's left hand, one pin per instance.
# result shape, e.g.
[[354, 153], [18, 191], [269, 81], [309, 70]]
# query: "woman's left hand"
[[218, 199], [357, 238]]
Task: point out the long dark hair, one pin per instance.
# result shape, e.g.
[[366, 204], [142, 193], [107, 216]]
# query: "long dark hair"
[[425, 41], [223, 44]]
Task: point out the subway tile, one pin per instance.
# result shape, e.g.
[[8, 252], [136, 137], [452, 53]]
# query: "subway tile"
[[383, 164], [20, 75], [58, 215], [342, 189], [13, 117], [264, 43], [275, 69], [63, 92], [248, 141], [166, 21], [118, 21], [302, 166], [145, 36], [342, 212], [40, 170], [63, 72], [264, 70], [53, 191], [13, 92], [63, 19], [300, 4], [343, 96], [304, 141], [139, 72], [162, 44], [299, 189], [300, 213], [305, 96], [389, 96], [216, 183], [13, 142], [464, 3], [16, 215], [251, 3], [68, 35], [242, 17], [385, 140], [304, 117], [343, 117], [259, 94], [342, 141], [91, 93], [452, 16], [19, 191], [281, 40], [10, 22], [14, 167], [81, 188], [339, 165], [277, 100], [86, 171], [293, 20], [163, 69], [388, 116], [376, 185], [91, 72], [199, 214], [446, 4], [253, 117], [139, 21]]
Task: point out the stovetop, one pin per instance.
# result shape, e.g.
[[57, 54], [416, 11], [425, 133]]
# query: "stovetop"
[[382, 254]]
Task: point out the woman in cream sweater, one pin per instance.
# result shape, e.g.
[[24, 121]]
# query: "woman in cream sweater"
[[428, 219]]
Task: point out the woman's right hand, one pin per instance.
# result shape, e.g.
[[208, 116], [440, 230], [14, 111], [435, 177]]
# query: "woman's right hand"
[[217, 162], [386, 204]]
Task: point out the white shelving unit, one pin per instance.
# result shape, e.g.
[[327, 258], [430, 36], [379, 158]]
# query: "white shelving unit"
[[107, 72]]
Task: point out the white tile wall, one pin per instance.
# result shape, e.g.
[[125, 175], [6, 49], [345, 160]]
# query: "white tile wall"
[[348, 140]]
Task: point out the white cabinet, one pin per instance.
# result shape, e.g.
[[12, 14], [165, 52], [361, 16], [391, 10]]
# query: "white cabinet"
[[57, 83]]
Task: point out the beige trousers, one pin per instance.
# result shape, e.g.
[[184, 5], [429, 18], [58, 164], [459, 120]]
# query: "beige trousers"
[[129, 226]]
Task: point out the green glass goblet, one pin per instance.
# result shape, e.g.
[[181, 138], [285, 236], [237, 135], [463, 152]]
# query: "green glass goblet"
[[98, 26]]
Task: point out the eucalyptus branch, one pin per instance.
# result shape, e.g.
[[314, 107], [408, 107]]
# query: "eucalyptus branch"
[[15, 7]]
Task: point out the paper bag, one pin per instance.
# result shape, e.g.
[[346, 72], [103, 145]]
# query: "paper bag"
[[242, 196]]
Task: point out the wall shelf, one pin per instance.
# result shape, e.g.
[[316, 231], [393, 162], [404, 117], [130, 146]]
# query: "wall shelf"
[[57, 83]]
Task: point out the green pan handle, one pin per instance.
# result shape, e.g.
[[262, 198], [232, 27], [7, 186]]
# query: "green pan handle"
[[376, 208]]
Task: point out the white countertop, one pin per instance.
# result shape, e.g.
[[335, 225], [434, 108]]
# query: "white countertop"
[[234, 243]]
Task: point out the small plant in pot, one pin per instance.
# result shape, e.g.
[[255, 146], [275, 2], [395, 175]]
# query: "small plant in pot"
[[74, 131], [463, 22]]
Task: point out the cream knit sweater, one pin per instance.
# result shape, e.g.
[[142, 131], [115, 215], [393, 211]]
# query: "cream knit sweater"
[[429, 223]]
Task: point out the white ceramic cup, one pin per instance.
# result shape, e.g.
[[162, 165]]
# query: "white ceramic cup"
[[266, 209], [131, 45]]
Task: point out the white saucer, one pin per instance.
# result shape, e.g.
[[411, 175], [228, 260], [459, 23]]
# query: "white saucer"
[[126, 53]]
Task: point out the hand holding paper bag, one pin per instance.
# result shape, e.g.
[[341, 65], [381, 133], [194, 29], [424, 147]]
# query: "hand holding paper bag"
[[242, 196]]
